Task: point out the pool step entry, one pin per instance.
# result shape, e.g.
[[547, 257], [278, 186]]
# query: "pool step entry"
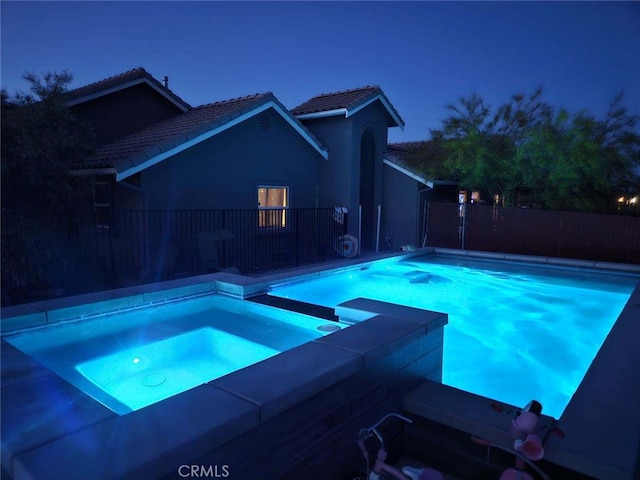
[[311, 309], [359, 309]]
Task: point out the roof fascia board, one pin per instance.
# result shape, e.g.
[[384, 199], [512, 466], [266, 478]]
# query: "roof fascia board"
[[347, 113], [302, 131], [207, 135], [327, 113], [386, 105], [123, 86], [408, 173]]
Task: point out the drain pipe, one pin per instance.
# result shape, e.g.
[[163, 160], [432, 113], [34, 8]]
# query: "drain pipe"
[[421, 238], [378, 230], [359, 228]]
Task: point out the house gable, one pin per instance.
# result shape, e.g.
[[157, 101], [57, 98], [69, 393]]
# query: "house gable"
[[152, 145], [120, 82], [408, 173], [226, 170], [398, 156], [347, 103], [121, 105]]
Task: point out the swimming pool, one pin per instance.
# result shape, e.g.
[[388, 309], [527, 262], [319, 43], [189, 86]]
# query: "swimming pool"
[[516, 331], [132, 359]]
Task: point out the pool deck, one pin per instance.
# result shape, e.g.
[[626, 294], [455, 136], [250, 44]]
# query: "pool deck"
[[601, 422]]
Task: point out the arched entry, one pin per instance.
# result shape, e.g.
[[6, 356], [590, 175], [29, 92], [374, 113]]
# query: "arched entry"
[[367, 191]]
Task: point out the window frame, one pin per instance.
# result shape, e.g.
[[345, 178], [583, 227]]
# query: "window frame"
[[265, 221]]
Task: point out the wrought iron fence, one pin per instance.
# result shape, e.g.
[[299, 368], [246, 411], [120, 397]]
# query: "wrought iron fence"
[[53, 255], [588, 236]]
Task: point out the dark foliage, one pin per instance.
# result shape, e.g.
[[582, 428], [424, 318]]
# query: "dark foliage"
[[529, 153]]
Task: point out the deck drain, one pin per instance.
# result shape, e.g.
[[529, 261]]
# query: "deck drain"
[[329, 328], [154, 380]]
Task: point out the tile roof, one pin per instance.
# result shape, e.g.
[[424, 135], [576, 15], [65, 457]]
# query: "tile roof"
[[347, 102], [333, 101], [116, 82], [401, 155], [133, 151], [404, 151], [404, 154]]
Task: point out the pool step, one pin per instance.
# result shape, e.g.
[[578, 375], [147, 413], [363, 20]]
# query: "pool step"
[[305, 308]]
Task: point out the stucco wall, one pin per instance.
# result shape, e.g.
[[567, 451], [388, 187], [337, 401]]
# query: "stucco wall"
[[339, 173], [400, 211], [340, 176], [224, 172]]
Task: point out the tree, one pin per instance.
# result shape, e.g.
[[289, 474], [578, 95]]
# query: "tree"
[[577, 162], [619, 147], [529, 153], [41, 143], [479, 154]]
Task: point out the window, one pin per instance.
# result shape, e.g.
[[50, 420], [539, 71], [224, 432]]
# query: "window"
[[273, 203]]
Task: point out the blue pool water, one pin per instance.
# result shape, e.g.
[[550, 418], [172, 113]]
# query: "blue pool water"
[[516, 332], [133, 359]]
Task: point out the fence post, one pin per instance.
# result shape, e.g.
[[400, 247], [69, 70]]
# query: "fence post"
[[560, 235], [112, 260], [296, 225], [461, 229]]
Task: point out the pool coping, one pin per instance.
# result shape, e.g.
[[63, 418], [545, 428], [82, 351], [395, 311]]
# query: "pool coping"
[[582, 450], [45, 312]]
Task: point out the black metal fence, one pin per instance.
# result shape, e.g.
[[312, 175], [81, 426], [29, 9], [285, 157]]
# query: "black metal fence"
[[588, 236], [53, 255]]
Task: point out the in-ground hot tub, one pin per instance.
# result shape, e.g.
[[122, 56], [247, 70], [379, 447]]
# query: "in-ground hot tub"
[[140, 376], [53, 428], [132, 359]]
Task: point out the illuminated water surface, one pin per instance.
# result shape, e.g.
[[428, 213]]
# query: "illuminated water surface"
[[516, 332], [133, 359]]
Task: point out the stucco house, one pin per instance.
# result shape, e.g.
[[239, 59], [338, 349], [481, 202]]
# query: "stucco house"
[[353, 125], [157, 153], [243, 183]]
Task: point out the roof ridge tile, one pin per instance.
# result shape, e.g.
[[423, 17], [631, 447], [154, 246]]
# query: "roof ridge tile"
[[232, 100], [349, 90]]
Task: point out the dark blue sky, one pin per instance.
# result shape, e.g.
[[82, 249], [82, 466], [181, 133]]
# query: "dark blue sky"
[[424, 55]]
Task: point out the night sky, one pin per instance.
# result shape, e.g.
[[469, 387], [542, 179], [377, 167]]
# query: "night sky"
[[424, 55]]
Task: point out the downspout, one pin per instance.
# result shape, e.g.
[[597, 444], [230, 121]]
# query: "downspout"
[[359, 227], [419, 236], [378, 230]]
